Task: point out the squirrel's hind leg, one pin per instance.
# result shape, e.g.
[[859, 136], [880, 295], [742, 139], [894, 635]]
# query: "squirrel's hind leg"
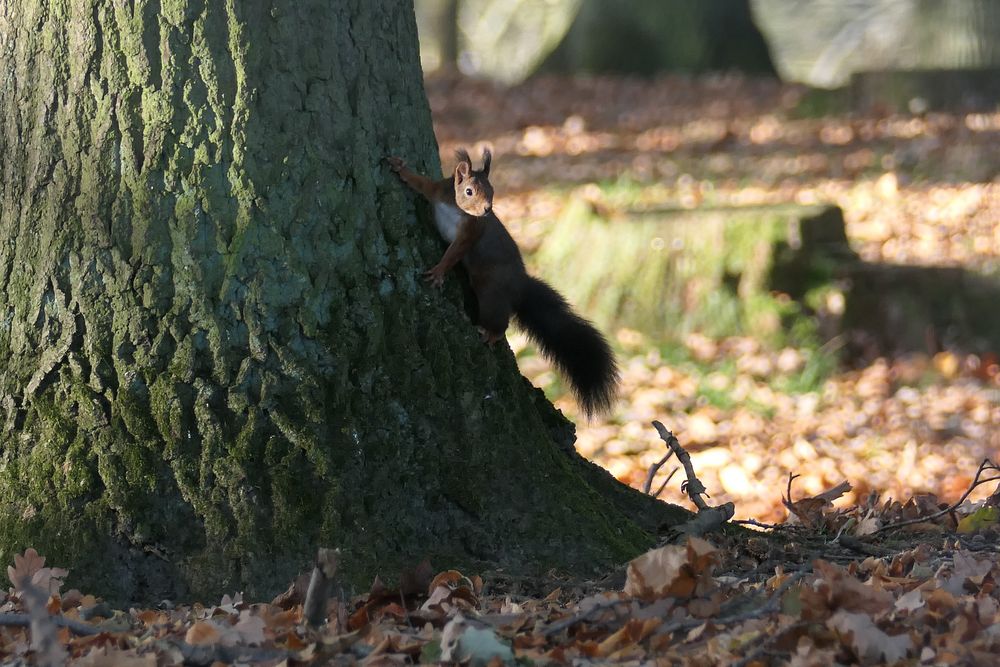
[[494, 313]]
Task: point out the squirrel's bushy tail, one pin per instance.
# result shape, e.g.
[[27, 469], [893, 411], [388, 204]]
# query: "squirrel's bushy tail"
[[570, 342]]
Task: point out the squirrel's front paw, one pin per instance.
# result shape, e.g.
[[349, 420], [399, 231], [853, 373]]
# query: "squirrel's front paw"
[[395, 163], [434, 276]]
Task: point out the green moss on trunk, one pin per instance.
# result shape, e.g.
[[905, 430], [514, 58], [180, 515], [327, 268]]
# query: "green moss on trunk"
[[218, 354]]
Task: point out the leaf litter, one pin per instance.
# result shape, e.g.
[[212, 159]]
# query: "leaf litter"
[[723, 599]]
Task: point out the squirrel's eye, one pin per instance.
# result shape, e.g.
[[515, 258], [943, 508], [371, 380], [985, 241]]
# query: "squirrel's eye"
[[468, 192]]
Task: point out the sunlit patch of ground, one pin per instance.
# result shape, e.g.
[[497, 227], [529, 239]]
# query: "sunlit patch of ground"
[[919, 190]]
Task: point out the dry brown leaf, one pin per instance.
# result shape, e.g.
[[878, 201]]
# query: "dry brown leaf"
[[659, 573], [836, 492], [25, 566], [417, 580], [808, 511], [629, 634], [439, 595], [449, 578], [910, 602], [835, 590], [202, 633], [110, 657], [702, 555], [867, 640], [295, 593], [250, 628], [31, 566]]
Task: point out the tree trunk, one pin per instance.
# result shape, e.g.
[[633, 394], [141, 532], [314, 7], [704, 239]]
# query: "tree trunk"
[[448, 34], [217, 353]]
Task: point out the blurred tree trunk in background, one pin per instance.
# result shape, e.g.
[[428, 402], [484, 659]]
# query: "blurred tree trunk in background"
[[846, 36], [508, 40], [217, 353], [437, 23], [449, 34], [504, 40], [650, 36]]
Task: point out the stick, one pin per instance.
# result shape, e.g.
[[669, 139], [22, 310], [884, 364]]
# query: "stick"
[[766, 640], [581, 616], [16, 620], [665, 482], [314, 608], [708, 518], [655, 468], [772, 605], [203, 655], [984, 466], [787, 502], [758, 524], [854, 544], [49, 651], [694, 488]]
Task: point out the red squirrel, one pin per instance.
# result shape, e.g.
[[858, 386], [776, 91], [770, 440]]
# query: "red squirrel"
[[463, 213]]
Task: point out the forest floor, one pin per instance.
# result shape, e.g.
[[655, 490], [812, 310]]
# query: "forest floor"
[[887, 533], [915, 190]]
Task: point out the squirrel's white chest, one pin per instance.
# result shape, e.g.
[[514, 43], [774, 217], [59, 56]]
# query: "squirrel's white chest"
[[447, 218]]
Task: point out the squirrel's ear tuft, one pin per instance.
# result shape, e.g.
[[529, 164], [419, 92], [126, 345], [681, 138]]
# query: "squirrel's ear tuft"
[[463, 156], [462, 171], [487, 158]]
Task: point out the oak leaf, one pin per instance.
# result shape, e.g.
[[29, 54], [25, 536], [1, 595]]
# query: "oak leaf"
[[869, 642]]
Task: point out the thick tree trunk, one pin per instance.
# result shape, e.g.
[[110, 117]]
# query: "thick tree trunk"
[[215, 349]]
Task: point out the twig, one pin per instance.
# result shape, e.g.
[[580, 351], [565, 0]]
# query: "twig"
[[767, 639], [655, 468], [203, 655], [759, 524], [772, 605], [984, 466], [99, 609], [314, 608], [665, 482], [854, 544], [694, 488], [49, 651], [13, 619], [406, 612], [708, 518], [847, 526], [787, 502], [579, 617]]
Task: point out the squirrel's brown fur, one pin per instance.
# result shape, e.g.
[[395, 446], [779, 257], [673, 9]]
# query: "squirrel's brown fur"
[[463, 212]]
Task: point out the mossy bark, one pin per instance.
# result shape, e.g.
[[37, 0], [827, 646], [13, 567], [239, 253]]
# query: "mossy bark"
[[216, 352]]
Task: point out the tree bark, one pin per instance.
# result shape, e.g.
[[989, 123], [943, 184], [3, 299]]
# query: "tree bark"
[[216, 353]]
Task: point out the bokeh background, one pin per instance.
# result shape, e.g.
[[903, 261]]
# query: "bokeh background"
[[784, 213]]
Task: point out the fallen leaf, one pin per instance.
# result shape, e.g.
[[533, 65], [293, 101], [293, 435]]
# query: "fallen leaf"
[[201, 633], [867, 640], [660, 572], [477, 647], [250, 628], [981, 518], [110, 657], [25, 566], [910, 602]]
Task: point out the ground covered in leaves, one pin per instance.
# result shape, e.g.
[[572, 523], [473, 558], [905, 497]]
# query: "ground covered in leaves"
[[818, 597]]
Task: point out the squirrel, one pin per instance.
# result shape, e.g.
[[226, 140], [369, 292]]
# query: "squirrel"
[[463, 214]]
